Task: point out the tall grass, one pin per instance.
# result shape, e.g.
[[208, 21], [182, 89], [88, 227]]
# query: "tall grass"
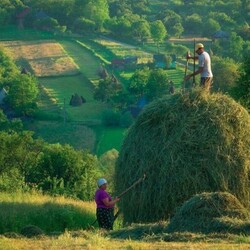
[[48, 213]]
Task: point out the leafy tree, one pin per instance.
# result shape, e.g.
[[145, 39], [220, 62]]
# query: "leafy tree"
[[106, 89], [193, 24], [7, 69], [157, 85], [18, 151], [119, 26], [119, 8], [210, 27], [225, 72], [172, 22], [235, 47], [138, 81], [8, 10], [158, 32], [242, 90], [177, 30], [222, 18], [244, 31], [23, 93], [9, 125], [82, 25], [61, 169], [140, 6], [98, 11], [141, 30]]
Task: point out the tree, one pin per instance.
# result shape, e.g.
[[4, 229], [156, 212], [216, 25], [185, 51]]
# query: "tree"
[[120, 26], [9, 125], [18, 151], [222, 18], [138, 81], [157, 85], [193, 24], [158, 32], [242, 90], [235, 47], [141, 30], [177, 30], [82, 25], [61, 169], [106, 89], [225, 73], [172, 21], [98, 11], [8, 9], [22, 95], [210, 27], [8, 68]]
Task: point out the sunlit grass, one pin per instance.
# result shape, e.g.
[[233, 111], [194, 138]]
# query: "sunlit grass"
[[48, 213], [97, 240]]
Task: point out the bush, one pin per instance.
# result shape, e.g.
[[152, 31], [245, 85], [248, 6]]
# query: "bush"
[[111, 118]]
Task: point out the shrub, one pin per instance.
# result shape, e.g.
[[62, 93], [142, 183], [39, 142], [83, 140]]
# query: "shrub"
[[111, 118]]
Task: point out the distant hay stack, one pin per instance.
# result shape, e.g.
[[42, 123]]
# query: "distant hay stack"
[[218, 212], [186, 144]]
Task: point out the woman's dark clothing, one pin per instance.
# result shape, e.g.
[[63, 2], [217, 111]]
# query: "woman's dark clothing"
[[105, 217]]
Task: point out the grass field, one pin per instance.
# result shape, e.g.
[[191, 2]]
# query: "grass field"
[[56, 119], [45, 58], [66, 225], [109, 139]]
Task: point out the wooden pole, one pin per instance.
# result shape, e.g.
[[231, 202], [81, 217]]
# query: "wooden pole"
[[194, 65], [134, 184]]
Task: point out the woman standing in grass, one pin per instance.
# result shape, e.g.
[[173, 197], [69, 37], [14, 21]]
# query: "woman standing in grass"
[[105, 206]]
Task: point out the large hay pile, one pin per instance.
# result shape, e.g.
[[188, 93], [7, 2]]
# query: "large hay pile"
[[186, 144], [219, 212]]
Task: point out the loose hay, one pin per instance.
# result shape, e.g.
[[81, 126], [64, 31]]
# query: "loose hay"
[[211, 212], [186, 144]]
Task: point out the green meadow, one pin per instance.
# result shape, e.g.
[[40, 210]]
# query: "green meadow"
[[36, 221], [58, 121]]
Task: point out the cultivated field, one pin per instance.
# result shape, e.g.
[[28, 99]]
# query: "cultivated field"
[[44, 58]]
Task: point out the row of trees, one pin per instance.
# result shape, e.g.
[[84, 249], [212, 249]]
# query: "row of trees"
[[130, 19]]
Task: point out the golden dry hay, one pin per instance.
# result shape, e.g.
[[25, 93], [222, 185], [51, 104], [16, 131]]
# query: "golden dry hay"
[[186, 144]]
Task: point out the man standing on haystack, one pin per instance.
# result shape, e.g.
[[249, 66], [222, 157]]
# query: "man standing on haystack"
[[204, 67]]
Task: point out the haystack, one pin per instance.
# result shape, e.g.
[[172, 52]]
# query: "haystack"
[[218, 212], [185, 144]]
